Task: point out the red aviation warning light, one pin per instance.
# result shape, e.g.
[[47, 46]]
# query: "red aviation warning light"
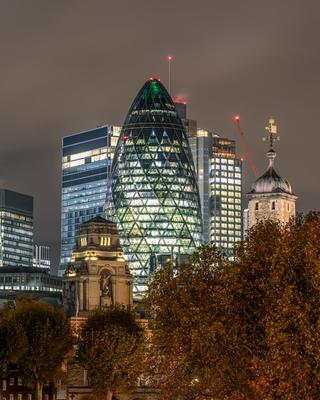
[[169, 57], [236, 118]]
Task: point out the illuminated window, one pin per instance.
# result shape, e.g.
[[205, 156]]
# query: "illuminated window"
[[83, 241], [105, 241]]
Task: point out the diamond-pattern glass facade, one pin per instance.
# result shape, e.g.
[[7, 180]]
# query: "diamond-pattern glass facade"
[[155, 198]]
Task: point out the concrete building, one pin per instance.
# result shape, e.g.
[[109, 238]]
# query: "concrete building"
[[31, 282], [271, 196], [97, 275], [86, 165], [16, 229]]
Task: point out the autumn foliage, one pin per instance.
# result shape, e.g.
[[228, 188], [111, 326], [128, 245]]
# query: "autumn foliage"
[[35, 339], [242, 329], [112, 349]]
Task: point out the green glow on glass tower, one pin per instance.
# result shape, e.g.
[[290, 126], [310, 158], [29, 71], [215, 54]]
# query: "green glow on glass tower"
[[155, 199]]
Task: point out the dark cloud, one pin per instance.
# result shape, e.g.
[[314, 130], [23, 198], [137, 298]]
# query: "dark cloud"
[[71, 65]]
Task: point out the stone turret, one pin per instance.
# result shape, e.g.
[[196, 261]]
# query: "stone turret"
[[271, 195]]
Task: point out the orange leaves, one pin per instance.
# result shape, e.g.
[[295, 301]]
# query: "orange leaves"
[[247, 329]]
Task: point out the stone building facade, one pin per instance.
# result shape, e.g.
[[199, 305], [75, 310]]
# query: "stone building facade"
[[271, 196], [97, 275]]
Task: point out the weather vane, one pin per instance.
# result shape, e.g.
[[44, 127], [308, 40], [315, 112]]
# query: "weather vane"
[[272, 135]]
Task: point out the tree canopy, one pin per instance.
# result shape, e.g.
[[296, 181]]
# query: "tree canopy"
[[35, 338], [112, 350], [242, 329]]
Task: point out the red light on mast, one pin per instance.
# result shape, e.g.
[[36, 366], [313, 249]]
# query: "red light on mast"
[[169, 58], [236, 118]]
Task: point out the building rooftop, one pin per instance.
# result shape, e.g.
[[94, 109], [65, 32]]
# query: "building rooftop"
[[270, 181]]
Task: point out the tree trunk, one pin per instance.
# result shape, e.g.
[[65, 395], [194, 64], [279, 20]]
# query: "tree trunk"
[[39, 390], [109, 395]]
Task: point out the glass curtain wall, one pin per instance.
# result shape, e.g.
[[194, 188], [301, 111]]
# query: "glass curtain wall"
[[154, 192], [86, 165], [225, 195]]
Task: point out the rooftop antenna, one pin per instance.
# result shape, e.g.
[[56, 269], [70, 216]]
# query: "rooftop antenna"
[[169, 58]]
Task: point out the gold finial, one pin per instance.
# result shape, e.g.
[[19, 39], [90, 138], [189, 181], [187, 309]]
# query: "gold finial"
[[272, 135]]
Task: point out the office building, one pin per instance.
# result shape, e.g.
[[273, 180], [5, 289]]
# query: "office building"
[[189, 124], [208, 152], [200, 144], [86, 164], [28, 279], [154, 191], [225, 194], [271, 196], [16, 227], [41, 257]]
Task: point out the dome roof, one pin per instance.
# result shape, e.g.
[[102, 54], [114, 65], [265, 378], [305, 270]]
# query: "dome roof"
[[270, 181]]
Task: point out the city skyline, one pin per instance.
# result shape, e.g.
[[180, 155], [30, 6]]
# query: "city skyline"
[[63, 71]]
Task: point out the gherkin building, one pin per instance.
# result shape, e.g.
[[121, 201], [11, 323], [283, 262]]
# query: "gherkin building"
[[154, 194]]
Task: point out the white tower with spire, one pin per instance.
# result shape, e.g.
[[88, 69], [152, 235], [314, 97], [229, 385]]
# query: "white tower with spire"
[[271, 196]]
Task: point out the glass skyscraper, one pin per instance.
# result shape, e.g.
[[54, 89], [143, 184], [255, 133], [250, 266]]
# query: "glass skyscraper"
[[200, 144], [86, 165], [16, 229], [225, 195], [154, 190], [219, 178]]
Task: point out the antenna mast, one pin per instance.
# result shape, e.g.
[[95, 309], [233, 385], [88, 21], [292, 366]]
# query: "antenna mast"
[[169, 58]]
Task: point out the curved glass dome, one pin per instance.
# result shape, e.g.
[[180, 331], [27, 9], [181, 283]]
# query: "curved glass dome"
[[155, 198]]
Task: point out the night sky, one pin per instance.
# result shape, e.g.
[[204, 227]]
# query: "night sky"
[[68, 66]]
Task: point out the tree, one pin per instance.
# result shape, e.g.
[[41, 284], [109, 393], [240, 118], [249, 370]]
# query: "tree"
[[112, 350], [242, 329], [35, 338]]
